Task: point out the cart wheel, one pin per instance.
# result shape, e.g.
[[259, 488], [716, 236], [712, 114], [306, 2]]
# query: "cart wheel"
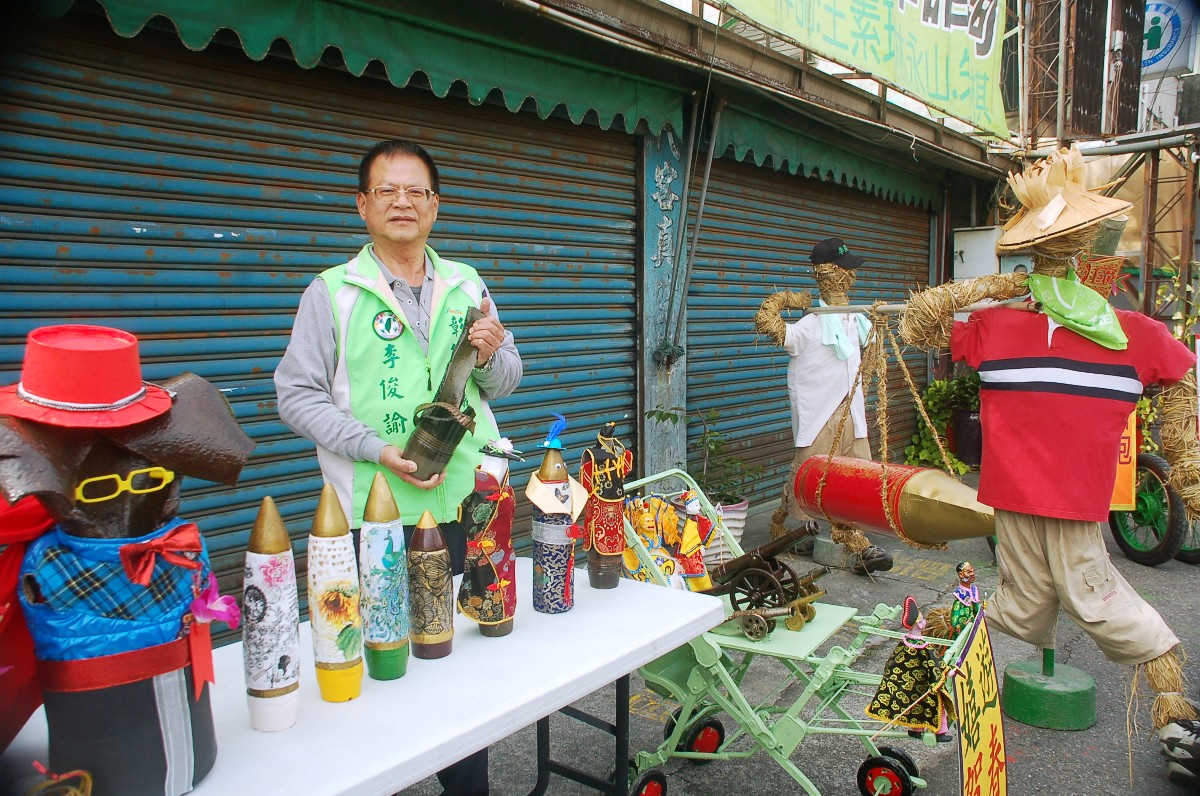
[[754, 627], [795, 621], [672, 720], [755, 588], [789, 581], [883, 776], [1190, 552], [652, 783], [707, 737], [904, 758], [1154, 531]]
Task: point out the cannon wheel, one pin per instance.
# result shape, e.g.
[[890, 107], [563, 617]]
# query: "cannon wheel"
[[756, 588], [789, 581]]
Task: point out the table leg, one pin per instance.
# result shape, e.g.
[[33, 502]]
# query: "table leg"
[[618, 785]]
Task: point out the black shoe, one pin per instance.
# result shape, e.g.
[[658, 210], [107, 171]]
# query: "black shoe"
[[941, 737], [1180, 744], [873, 559]]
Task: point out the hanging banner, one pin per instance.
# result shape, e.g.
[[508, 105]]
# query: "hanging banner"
[[981, 725], [946, 52]]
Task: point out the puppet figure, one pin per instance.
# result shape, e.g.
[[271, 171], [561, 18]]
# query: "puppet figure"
[[913, 692], [966, 598], [657, 525], [557, 500], [828, 410], [602, 473], [1059, 376], [104, 453], [697, 530], [488, 593]]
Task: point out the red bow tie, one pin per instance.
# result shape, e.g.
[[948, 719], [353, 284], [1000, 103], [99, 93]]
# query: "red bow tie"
[[138, 557]]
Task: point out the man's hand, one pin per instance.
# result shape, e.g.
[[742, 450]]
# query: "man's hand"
[[487, 333], [392, 459]]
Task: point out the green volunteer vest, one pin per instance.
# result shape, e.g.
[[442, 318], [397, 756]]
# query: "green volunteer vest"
[[389, 377]]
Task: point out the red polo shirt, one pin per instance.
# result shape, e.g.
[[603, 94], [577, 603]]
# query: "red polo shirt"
[[1054, 405]]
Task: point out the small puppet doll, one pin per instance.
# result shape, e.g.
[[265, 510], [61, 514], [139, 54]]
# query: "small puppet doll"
[[697, 530], [966, 598], [488, 592], [602, 473], [557, 500], [104, 453], [913, 692], [657, 525]]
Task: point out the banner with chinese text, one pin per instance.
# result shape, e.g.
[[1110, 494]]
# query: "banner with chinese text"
[[946, 52], [980, 723]]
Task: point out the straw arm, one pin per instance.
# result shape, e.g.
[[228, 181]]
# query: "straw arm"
[[769, 320], [1019, 303], [1180, 445]]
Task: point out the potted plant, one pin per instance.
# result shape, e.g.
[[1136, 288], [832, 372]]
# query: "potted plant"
[[950, 403]]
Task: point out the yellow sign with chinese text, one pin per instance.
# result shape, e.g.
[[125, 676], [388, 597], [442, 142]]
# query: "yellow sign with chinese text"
[[945, 52], [980, 723]]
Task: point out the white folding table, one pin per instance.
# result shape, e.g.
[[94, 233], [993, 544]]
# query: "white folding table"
[[399, 732]]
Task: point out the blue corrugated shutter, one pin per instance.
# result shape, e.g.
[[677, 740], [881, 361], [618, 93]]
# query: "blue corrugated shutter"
[[758, 229], [190, 197]]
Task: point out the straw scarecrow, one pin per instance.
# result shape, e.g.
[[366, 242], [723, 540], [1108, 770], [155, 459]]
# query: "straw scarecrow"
[[825, 357], [1060, 375]]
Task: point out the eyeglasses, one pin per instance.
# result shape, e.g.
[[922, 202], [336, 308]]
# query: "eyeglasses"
[[386, 194], [138, 482]]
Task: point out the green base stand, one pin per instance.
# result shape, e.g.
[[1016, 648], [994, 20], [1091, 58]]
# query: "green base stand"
[[1057, 698]]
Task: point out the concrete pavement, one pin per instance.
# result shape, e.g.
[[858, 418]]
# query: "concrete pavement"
[[1096, 761]]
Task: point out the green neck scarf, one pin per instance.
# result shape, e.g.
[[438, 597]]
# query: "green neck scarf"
[[1079, 308]]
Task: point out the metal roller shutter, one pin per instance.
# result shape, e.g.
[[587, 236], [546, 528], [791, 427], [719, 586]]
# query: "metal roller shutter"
[[190, 197], [757, 232]]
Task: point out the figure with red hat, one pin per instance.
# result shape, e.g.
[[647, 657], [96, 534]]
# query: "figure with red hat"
[[825, 352], [117, 591], [1059, 376]]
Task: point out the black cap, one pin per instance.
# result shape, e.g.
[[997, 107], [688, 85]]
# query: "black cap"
[[832, 250]]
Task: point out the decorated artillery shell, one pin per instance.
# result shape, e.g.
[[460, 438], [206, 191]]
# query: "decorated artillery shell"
[[333, 602], [383, 571], [271, 629], [431, 591], [557, 500]]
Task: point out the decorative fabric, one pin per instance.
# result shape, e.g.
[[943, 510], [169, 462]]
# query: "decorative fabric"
[[1079, 308], [488, 592], [834, 333], [965, 607], [80, 603], [1054, 406], [602, 474], [910, 694], [553, 562]]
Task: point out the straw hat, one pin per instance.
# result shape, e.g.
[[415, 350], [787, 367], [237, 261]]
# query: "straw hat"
[[79, 376], [1055, 201]]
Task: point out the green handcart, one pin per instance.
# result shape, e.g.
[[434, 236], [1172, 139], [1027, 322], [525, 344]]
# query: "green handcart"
[[706, 678]]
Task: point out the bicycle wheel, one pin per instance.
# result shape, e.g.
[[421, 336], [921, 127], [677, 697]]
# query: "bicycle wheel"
[[1189, 553], [1154, 531]]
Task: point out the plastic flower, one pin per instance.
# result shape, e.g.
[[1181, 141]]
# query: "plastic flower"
[[211, 605]]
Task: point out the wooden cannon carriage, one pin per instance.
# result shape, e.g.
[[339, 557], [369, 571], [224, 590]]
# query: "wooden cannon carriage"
[[758, 579]]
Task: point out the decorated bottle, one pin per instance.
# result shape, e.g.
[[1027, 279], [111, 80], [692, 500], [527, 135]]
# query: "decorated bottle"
[[602, 473], [333, 602], [383, 580], [557, 500], [430, 591], [271, 633], [488, 592]]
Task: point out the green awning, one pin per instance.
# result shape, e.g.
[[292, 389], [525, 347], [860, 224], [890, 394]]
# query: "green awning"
[[405, 43], [750, 132]]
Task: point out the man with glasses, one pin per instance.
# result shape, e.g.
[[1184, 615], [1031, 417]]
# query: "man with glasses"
[[371, 343]]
